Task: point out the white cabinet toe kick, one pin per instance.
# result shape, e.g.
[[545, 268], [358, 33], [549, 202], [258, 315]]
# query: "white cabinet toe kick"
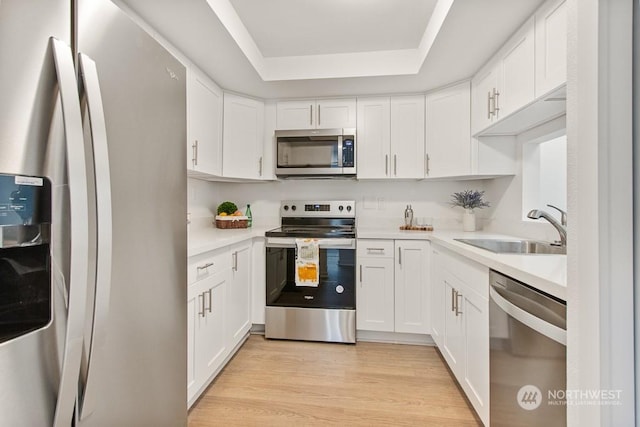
[[311, 324]]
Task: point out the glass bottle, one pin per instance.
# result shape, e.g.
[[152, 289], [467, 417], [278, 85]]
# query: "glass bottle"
[[249, 217]]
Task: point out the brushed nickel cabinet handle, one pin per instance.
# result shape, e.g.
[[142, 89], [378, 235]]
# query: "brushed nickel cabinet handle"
[[386, 165], [201, 312], [496, 102], [235, 261], [318, 114], [194, 153], [205, 266], [360, 274], [395, 164], [489, 98], [453, 298], [426, 164], [399, 255], [209, 291], [260, 166], [458, 311], [311, 114], [375, 249]]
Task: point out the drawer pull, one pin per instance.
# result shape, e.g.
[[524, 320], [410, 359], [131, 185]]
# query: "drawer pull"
[[375, 249], [204, 267]]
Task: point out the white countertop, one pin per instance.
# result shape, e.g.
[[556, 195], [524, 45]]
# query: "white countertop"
[[545, 272], [208, 239]]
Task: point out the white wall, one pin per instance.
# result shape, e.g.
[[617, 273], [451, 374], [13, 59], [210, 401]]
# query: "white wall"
[[377, 202], [507, 196]]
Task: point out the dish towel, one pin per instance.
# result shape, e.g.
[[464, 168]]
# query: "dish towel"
[[307, 262]]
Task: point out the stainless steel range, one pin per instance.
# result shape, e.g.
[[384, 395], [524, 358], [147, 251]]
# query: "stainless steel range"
[[325, 310]]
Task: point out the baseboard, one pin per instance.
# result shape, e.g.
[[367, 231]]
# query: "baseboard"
[[395, 338], [257, 329]]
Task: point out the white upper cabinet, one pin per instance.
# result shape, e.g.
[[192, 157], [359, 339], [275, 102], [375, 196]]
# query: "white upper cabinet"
[[522, 86], [448, 131], [407, 137], [243, 139], [507, 82], [316, 114], [374, 137], [390, 136], [516, 81], [551, 46], [204, 140]]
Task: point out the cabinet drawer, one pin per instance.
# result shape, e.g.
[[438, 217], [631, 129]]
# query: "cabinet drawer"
[[375, 248], [205, 265]]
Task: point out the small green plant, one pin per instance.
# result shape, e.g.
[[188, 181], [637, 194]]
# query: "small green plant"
[[469, 199], [227, 207]]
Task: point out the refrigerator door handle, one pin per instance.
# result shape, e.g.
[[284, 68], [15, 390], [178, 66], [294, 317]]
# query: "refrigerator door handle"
[[79, 212], [96, 362]]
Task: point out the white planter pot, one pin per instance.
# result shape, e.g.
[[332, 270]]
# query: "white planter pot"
[[468, 220]]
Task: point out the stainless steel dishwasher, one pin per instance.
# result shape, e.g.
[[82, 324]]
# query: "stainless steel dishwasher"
[[527, 355]]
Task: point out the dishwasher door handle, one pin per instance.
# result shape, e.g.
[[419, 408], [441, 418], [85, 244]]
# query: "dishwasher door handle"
[[547, 329]]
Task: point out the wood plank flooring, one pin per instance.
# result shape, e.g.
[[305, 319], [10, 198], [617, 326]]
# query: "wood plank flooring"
[[290, 383]]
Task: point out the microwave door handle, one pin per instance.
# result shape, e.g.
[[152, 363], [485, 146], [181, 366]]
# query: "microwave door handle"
[[79, 213], [96, 355], [340, 152]]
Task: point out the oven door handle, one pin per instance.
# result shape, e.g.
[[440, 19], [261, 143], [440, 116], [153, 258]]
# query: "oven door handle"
[[289, 242]]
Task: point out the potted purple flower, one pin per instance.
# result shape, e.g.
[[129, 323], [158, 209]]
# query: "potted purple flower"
[[469, 200]]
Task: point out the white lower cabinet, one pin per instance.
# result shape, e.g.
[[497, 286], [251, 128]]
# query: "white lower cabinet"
[[218, 310], [239, 293], [393, 286], [460, 323], [207, 344]]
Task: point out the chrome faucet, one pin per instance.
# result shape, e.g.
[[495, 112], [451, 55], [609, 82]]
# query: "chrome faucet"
[[561, 227]]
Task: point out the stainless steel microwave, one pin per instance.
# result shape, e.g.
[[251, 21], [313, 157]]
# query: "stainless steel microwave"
[[316, 153]]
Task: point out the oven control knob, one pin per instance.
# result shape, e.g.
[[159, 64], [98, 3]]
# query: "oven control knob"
[[340, 208], [339, 289], [348, 208], [286, 207], [293, 207]]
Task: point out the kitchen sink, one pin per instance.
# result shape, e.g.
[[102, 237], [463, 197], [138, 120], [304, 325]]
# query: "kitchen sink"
[[501, 246]]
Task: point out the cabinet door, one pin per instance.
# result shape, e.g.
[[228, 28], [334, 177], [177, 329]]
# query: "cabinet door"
[[194, 308], [453, 342], [295, 114], [373, 137], [407, 137], [437, 299], [412, 286], [243, 137], [258, 282], [551, 46], [374, 295], [483, 86], [475, 364], [204, 146], [517, 68], [239, 294], [448, 131], [336, 113], [211, 347]]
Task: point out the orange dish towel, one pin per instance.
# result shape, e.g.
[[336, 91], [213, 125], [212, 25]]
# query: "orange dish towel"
[[307, 262]]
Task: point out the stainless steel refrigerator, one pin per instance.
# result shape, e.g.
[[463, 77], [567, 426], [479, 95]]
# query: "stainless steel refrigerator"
[[92, 130]]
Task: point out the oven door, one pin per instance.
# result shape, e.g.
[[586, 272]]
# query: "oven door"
[[336, 289]]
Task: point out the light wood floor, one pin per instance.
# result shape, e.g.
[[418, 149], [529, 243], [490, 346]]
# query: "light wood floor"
[[289, 383]]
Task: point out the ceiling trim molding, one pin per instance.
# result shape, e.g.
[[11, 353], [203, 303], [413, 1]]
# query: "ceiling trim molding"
[[342, 65]]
